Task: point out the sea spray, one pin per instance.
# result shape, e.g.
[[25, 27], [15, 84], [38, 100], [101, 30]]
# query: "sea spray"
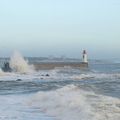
[[19, 64]]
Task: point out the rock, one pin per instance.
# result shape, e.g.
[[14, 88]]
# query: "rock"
[[19, 80], [47, 75]]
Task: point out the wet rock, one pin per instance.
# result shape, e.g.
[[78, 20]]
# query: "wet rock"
[[19, 80], [47, 75]]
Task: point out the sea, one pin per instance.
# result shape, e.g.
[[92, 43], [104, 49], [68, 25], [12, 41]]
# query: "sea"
[[67, 93]]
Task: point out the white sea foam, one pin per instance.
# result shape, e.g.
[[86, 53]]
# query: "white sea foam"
[[12, 107], [75, 74], [1, 72], [72, 103], [96, 76], [19, 64], [54, 75]]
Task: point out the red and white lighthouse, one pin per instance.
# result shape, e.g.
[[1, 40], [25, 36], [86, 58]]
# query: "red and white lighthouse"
[[85, 59]]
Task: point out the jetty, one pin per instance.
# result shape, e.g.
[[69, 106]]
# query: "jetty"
[[53, 65]]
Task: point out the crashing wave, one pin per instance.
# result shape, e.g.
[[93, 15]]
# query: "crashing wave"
[[19, 64], [72, 103]]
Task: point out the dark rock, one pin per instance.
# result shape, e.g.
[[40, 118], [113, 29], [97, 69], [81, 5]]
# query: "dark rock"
[[18, 80], [47, 75]]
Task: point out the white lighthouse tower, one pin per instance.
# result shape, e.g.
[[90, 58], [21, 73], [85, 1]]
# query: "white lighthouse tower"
[[85, 59]]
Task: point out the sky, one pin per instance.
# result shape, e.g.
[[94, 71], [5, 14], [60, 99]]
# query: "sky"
[[60, 28]]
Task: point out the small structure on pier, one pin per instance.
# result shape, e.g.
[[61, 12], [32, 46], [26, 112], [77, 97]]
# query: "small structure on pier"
[[6, 67]]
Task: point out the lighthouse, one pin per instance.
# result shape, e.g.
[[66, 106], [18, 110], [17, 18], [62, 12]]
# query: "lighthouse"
[[85, 60]]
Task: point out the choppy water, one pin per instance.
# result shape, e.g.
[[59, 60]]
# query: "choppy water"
[[67, 94]]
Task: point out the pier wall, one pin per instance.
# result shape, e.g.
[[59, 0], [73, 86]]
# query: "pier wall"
[[53, 65]]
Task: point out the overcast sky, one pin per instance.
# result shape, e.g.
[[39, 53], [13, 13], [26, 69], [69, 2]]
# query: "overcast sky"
[[60, 27]]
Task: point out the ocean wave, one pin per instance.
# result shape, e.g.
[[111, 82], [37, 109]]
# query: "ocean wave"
[[73, 103]]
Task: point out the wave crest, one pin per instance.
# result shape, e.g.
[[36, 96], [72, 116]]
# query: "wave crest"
[[73, 103]]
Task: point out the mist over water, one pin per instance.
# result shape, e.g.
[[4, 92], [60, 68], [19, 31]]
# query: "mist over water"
[[66, 94]]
